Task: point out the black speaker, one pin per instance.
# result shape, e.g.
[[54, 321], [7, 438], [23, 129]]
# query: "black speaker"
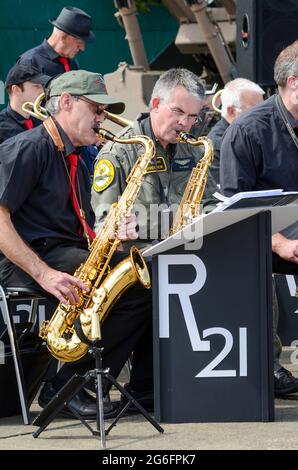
[[264, 28]]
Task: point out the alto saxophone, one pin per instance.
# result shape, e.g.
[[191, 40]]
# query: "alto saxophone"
[[189, 206], [105, 285]]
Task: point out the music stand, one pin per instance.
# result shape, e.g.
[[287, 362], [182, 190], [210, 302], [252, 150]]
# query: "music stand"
[[77, 383]]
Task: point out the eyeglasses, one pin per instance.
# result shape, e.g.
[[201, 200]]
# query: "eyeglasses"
[[181, 115], [99, 110]]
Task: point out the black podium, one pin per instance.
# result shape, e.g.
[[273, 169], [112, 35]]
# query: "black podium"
[[213, 352]]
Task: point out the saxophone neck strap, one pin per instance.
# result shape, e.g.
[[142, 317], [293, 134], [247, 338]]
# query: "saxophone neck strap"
[[79, 331], [51, 128]]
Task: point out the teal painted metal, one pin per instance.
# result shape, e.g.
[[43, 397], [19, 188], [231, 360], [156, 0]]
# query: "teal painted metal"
[[24, 24]]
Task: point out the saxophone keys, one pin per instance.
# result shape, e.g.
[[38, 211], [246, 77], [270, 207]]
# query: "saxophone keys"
[[92, 275], [95, 326], [44, 329]]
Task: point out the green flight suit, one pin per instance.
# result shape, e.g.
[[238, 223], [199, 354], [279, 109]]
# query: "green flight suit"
[[163, 185]]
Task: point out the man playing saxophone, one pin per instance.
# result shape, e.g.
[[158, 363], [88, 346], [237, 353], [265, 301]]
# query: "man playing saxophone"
[[174, 107], [175, 104], [47, 222]]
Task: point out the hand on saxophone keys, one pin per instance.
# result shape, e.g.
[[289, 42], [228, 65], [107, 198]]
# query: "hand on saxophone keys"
[[61, 285], [127, 228]]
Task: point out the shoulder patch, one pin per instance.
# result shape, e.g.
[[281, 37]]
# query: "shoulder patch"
[[104, 174]]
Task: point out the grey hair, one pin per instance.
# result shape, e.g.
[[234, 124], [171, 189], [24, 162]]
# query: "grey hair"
[[57, 31], [53, 105], [286, 64], [169, 80], [232, 92]]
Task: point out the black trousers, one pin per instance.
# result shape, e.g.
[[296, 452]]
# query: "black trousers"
[[126, 330], [280, 266]]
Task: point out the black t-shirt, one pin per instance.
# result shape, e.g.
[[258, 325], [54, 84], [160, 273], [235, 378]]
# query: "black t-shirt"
[[258, 153], [34, 186], [12, 123], [45, 59]]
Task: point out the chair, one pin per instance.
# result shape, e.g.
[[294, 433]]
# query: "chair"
[[8, 295]]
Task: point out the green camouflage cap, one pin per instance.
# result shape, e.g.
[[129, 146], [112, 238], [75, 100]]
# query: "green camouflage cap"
[[83, 83]]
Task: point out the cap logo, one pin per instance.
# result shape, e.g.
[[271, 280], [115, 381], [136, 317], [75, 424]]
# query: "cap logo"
[[100, 79], [101, 84]]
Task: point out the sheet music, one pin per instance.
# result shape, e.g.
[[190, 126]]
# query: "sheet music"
[[271, 197], [282, 217]]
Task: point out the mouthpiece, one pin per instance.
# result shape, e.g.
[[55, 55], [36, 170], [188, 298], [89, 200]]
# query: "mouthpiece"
[[106, 134], [186, 137]]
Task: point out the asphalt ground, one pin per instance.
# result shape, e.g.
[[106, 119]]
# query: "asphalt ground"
[[134, 432]]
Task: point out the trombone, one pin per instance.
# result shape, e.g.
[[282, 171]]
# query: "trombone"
[[214, 99], [36, 110]]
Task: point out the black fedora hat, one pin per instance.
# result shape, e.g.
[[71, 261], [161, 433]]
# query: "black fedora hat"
[[75, 22]]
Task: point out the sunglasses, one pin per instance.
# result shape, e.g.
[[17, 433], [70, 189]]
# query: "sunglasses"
[[99, 109]]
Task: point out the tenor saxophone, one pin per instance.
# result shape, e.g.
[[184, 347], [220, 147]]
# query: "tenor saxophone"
[[105, 285], [189, 206]]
